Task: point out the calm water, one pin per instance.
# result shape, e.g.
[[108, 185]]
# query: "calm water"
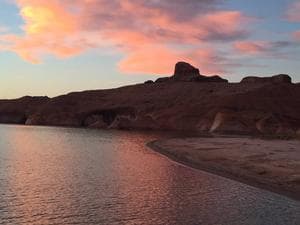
[[77, 176]]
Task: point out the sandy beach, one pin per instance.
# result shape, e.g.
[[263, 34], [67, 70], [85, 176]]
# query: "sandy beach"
[[270, 164]]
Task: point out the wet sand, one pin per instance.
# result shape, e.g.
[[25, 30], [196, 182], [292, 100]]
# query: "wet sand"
[[270, 164]]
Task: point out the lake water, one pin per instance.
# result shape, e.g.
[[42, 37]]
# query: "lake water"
[[78, 176]]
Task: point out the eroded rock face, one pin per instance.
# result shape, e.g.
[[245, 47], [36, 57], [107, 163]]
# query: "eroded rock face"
[[13, 118], [95, 121], [298, 133], [108, 118], [271, 124], [162, 79], [149, 82], [277, 79], [169, 104], [215, 78], [185, 72], [232, 122], [282, 78], [63, 119], [17, 111]]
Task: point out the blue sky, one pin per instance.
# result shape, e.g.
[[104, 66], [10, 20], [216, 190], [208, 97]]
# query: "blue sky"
[[259, 40]]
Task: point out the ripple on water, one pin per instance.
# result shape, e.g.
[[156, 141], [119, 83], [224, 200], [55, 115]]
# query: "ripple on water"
[[78, 176]]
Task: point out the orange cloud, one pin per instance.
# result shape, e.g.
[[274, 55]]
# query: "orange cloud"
[[140, 30], [49, 30], [160, 60], [149, 60], [48, 18]]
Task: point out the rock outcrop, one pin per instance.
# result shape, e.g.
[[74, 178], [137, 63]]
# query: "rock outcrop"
[[17, 111], [277, 79], [12, 117], [163, 79], [185, 72], [215, 78], [270, 107], [149, 82]]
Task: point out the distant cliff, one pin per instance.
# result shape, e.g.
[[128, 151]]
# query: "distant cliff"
[[185, 101], [18, 110]]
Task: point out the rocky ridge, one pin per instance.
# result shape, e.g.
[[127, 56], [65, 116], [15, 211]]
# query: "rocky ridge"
[[186, 101], [184, 72]]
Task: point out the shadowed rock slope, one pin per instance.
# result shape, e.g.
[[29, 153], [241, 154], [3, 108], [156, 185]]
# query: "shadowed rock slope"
[[18, 110], [184, 101]]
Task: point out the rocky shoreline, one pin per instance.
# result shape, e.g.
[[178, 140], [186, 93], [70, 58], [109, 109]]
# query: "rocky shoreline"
[[185, 101], [267, 164]]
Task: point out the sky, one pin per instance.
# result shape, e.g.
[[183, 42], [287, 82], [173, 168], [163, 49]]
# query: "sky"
[[59, 46]]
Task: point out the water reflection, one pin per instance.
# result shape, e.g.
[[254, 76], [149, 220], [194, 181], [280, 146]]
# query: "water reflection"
[[55, 175], [37, 178]]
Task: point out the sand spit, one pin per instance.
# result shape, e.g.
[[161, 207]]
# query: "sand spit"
[[270, 164]]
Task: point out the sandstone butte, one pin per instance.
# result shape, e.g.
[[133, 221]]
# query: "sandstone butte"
[[186, 101]]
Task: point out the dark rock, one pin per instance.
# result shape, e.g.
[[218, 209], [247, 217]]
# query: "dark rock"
[[281, 78], [149, 82], [95, 121], [209, 106], [13, 118], [217, 78], [298, 133], [162, 79], [232, 122], [68, 119], [209, 79], [185, 72], [107, 118], [189, 73], [16, 111]]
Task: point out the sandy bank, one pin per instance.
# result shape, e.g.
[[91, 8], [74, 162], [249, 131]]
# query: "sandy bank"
[[270, 164]]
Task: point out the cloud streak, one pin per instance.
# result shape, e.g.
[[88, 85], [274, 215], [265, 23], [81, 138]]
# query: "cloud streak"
[[262, 47]]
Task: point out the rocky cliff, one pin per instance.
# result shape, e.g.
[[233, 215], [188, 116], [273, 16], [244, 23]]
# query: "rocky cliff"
[[18, 110], [184, 101]]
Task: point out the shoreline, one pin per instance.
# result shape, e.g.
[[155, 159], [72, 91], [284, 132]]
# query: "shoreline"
[[217, 168], [212, 166]]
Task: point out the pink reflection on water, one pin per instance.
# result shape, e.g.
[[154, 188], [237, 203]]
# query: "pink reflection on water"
[[36, 176]]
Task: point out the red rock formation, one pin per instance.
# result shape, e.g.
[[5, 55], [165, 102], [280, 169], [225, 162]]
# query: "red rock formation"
[[18, 110], [185, 72], [247, 107], [277, 79]]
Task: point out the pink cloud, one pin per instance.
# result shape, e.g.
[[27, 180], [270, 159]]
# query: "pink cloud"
[[296, 35], [251, 47], [270, 49], [160, 60], [140, 30], [293, 14]]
